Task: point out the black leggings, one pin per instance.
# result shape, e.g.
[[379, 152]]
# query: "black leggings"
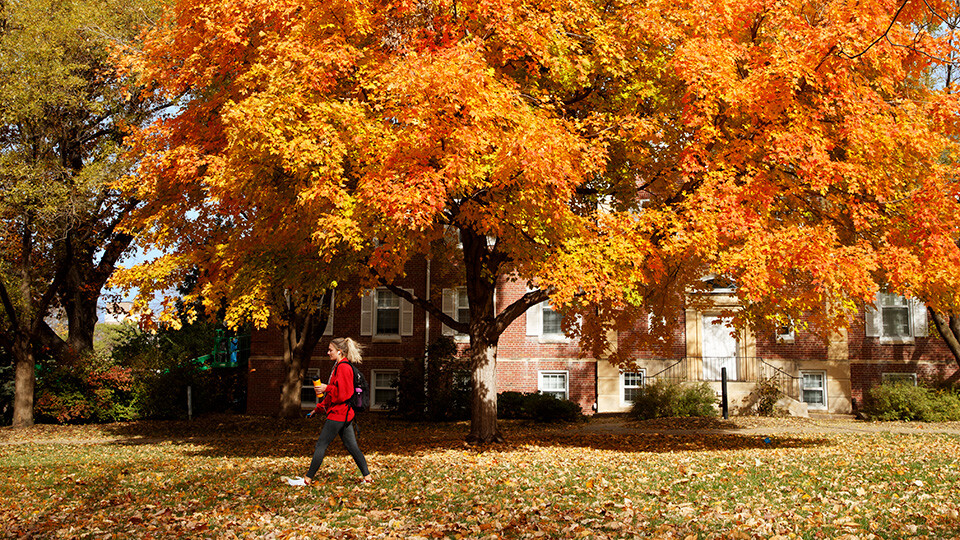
[[329, 432]]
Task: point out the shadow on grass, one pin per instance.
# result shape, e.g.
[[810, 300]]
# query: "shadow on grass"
[[245, 436]]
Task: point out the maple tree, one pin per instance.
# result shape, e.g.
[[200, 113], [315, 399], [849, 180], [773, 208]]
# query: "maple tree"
[[610, 154], [63, 114]]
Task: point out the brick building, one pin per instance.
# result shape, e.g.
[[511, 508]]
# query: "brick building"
[[891, 341]]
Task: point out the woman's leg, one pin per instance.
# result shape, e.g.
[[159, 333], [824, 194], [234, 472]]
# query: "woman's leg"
[[349, 437], [327, 434]]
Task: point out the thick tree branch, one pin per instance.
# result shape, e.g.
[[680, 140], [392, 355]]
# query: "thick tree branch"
[[429, 307], [8, 308], [519, 307], [948, 326]]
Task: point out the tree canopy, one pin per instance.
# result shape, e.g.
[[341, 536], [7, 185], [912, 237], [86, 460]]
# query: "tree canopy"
[[63, 116], [611, 154]]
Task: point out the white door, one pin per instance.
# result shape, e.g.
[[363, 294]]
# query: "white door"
[[719, 349]]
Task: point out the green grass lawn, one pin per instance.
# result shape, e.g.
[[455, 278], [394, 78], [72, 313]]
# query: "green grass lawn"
[[220, 478]]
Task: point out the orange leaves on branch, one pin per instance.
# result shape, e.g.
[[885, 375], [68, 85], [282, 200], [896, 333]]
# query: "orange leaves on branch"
[[756, 146]]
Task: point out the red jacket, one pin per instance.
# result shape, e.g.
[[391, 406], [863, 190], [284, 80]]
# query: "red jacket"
[[338, 391]]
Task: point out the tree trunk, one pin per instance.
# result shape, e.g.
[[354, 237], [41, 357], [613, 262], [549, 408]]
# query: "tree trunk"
[[948, 326], [82, 317], [295, 363], [301, 333], [81, 290], [25, 381], [483, 411]]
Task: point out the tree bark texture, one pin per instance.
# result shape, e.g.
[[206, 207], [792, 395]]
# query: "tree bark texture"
[[25, 381], [483, 411], [301, 332], [948, 326]]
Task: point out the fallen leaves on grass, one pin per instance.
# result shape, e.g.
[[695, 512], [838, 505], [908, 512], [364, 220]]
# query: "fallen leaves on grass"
[[547, 482]]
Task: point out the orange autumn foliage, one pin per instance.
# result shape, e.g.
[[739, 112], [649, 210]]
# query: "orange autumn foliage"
[[613, 152]]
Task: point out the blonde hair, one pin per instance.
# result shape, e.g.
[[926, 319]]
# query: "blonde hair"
[[351, 349]]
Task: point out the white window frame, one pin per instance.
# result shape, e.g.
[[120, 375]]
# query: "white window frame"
[[623, 384], [786, 333], [916, 313], [566, 382], [368, 318], [535, 325], [889, 377], [311, 375], [452, 306], [823, 389], [376, 403]]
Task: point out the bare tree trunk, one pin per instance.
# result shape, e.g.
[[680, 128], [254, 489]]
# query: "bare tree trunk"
[[483, 410], [948, 326], [81, 290], [295, 363], [25, 380], [301, 331]]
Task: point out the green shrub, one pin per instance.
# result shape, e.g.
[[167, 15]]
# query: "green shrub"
[[766, 395], [89, 388], [510, 405], [547, 408], [537, 407], [904, 401], [664, 399]]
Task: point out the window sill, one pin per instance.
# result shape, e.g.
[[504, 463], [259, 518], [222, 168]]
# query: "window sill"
[[388, 338], [554, 338], [896, 341]]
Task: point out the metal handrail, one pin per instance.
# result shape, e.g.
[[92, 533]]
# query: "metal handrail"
[[775, 368], [668, 368]]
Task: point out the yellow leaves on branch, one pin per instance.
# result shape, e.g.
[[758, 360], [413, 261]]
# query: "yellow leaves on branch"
[[761, 146]]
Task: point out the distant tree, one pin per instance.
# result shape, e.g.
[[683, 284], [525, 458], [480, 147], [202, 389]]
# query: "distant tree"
[[64, 111]]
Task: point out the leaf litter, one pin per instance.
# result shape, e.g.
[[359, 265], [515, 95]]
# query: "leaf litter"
[[203, 480]]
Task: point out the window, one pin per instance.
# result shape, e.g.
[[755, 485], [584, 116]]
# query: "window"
[[813, 389], [382, 387], [551, 320], [785, 333], [899, 378], [387, 318], [455, 304], [896, 319], [545, 323], [630, 384], [385, 315], [308, 398], [553, 383]]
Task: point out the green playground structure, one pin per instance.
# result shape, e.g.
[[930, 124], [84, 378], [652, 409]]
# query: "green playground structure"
[[228, 352]]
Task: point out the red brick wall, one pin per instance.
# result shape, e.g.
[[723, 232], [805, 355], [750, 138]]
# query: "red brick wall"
[[928, 357], [523, 376], [805, 346], [264, 382], [515, 349], [675, 346]]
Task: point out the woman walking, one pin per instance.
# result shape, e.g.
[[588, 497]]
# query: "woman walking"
[[343, 352]]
